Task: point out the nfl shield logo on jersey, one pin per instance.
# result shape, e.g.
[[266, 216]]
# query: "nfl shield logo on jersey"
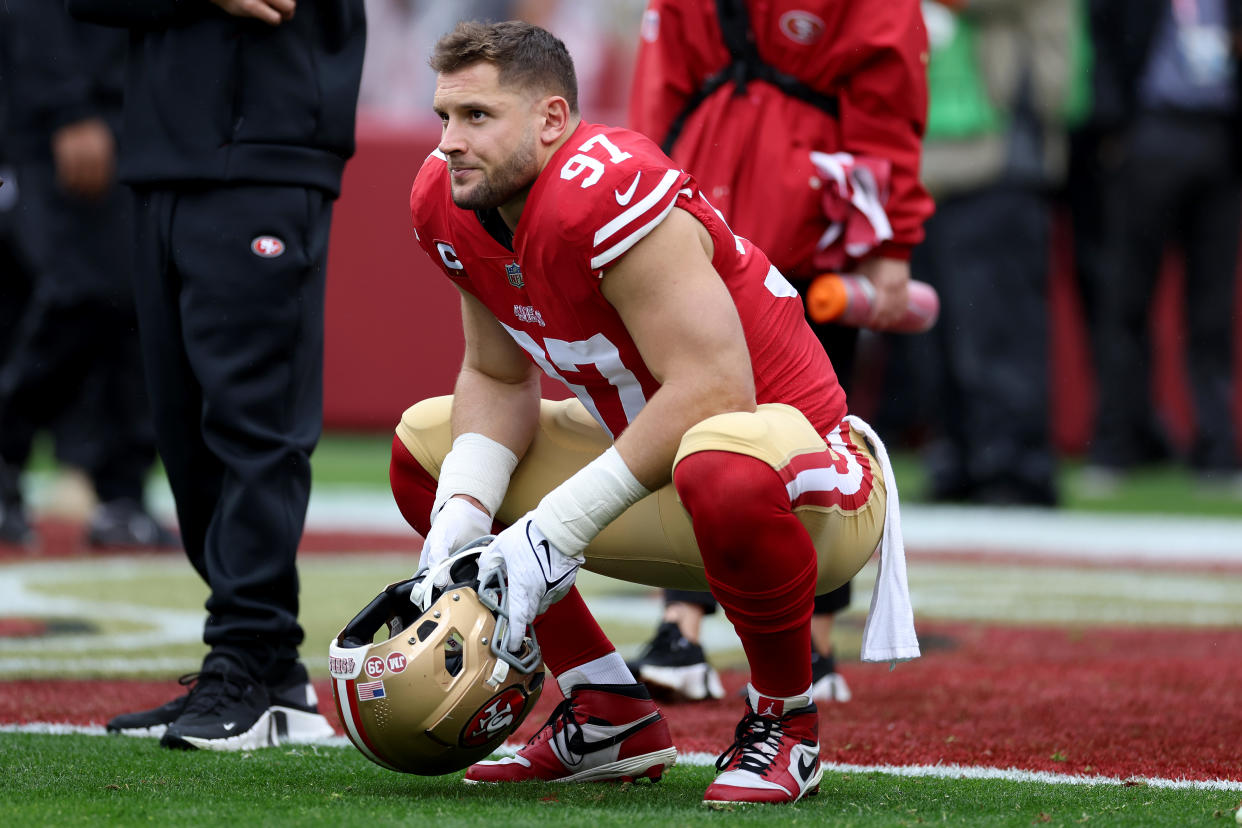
[[515, 275]]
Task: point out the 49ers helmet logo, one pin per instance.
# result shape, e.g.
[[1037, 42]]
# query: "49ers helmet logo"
[[495, 716], [269, 247], [802, 27]]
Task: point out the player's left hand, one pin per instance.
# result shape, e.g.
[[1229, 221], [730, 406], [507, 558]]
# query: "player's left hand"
[[891, 278], [536, 573]]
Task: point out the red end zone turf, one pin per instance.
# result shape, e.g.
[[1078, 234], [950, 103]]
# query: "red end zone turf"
[[1112, 702]]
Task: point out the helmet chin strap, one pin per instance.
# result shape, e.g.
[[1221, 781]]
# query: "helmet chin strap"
[[421, 595]]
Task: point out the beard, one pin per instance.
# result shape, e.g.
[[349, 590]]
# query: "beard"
[[501, 185]]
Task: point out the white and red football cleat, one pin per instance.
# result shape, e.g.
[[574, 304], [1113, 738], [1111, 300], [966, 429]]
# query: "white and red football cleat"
[[599, 733], [775, 753]]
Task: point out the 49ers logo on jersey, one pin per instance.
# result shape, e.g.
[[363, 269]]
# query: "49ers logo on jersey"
[[269, 247], [493, 718], [802, 27]]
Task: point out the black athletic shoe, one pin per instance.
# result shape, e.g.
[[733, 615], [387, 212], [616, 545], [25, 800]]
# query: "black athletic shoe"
[[125, 524], [294, 709], [226, 709], [155, 721], [672, 664], [827, 685]]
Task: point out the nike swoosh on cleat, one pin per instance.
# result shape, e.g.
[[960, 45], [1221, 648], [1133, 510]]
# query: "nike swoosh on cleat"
[[579, 745], [229, 725], [624, 198], [806, 767]]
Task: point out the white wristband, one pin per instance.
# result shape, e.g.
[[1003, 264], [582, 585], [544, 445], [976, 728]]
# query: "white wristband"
[[477, 466], [573, 513]]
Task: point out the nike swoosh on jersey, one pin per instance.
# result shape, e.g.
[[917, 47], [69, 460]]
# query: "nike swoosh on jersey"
[[624, 198]]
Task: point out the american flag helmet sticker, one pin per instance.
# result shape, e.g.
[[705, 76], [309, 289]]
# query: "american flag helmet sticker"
[[370, 690]]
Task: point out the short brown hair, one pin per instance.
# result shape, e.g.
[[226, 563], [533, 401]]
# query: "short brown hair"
[[524, 55]]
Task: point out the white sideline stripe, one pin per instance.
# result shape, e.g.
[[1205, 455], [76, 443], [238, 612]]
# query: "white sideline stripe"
[[1046, 777], [1072, 536], [699, 759], [29, 666]]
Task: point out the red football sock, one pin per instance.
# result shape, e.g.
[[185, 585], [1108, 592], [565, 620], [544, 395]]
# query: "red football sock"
[[759, 561], [569, 635]]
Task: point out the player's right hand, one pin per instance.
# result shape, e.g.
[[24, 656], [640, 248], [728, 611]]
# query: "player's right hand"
[[272, 12], [84, 153], [456, 524]]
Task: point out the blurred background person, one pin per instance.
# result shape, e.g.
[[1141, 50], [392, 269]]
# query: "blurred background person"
[[1005, 79], [802, 122], [1170, 109], [396, 85], [72, 359]]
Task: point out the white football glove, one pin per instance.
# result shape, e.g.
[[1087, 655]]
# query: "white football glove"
[[456, 524], [536, 572]]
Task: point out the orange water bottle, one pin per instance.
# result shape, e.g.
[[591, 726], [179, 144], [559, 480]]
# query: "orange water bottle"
[[849, 299]]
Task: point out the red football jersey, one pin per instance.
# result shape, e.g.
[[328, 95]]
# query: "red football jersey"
[[600, 194]]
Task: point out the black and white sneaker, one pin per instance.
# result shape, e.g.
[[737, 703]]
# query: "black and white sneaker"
[[226, 709], [294, 711], [126, 524], [672, 664], [827, 685], [155, 721]]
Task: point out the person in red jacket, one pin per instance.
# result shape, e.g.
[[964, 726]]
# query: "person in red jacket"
[[803, 121]]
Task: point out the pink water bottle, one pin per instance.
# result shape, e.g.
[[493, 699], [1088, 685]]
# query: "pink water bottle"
[[849, 299]]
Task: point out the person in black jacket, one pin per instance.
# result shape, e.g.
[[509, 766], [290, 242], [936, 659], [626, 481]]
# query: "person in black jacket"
[[239, 117], [71, 352], [1168, 104]]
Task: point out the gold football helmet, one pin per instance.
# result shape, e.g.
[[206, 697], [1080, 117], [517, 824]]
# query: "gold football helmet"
[[441, 692]]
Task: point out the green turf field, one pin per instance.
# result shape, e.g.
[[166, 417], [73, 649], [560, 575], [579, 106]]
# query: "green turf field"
[[93, 780], [79, 779]]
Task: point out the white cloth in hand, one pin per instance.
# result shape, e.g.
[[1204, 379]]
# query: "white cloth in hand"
[[536, 573], [456, 524]]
